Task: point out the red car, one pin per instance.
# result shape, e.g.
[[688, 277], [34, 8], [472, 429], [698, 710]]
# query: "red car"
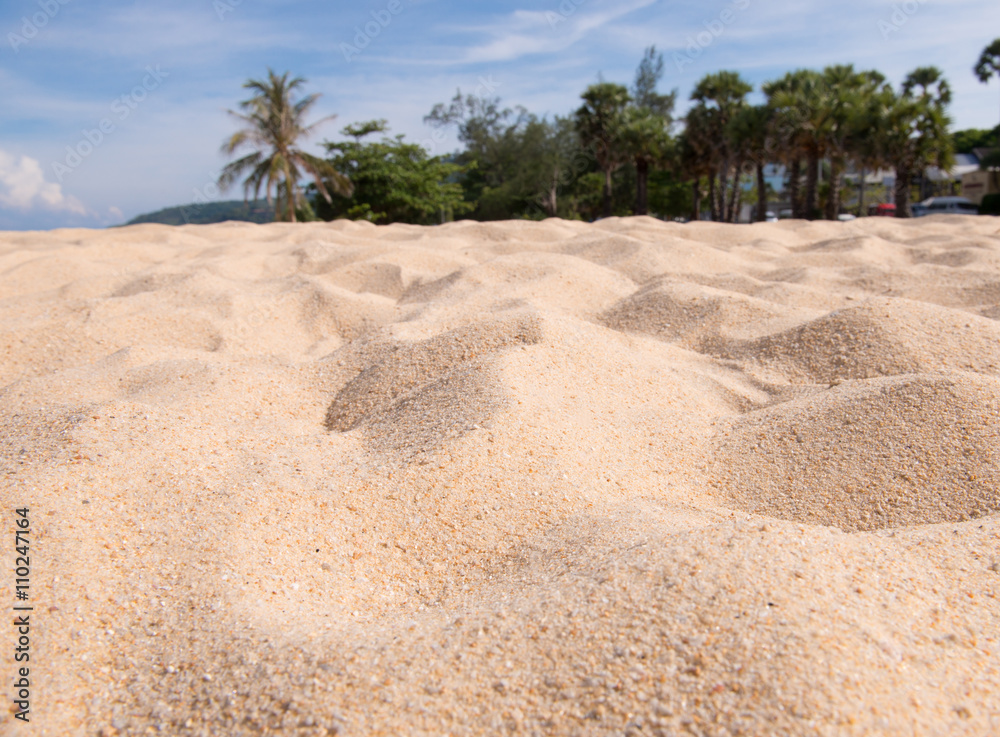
[[886, 210]]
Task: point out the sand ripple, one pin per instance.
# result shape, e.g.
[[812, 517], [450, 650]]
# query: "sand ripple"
[[631, 477]]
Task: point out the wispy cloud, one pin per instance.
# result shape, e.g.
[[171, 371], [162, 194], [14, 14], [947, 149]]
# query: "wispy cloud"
[[23, 187], [536, 32]]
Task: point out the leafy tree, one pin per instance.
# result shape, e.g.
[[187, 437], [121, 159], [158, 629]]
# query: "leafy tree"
[[515, 163], [669, 192], [600, 123], [394, 181], [274, 125], [647, 78], [646, 128], [966, 140], [560, 162], [989, 64]]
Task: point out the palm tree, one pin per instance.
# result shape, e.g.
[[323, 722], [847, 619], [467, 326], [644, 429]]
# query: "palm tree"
[[989, 64], [718, 98], [869, 134], [750, 132], [785, 96], [274, 125], [917, 130], [646, 137], [599, 123], [848, 94], [811, 110], [700, 156], [696, 154]]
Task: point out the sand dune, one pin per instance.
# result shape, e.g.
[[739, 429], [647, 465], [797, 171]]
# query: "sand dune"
[[624, 478]]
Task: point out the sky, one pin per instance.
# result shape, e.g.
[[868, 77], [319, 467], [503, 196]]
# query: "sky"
[[113, 108]]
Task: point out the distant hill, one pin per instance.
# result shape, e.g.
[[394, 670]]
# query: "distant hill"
[[203, 213]]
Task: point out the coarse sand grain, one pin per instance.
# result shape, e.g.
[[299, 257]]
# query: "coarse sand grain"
[[556, 478]]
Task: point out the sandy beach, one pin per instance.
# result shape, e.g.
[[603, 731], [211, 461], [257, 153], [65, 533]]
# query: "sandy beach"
[[532, 478]]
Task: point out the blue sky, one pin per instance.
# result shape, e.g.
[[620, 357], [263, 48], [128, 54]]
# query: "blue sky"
[[159, 76]]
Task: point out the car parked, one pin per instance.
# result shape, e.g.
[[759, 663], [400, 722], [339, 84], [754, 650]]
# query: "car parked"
[[945, 206], [883, 210]]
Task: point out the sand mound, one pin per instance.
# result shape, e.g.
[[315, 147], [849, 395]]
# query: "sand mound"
[[506, 478], [908, 450], [693, 315], [413, 397], [882, 337]]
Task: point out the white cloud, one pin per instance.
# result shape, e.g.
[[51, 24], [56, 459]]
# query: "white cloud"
[[533, 32], [23, 187]]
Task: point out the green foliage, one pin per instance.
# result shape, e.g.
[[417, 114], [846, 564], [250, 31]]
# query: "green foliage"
[[669, 194], [617, 154], [394, 181], [990, 205], [989, 62], [915, 132], [600, 124], [646, 127], [719, 99], [516, 165], [647, 78], [203, 213], [964, 141]]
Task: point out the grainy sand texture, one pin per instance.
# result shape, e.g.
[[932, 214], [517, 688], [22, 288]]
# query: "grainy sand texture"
[[623, 478]]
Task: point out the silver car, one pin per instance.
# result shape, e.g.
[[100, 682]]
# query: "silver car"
[[945, 206]]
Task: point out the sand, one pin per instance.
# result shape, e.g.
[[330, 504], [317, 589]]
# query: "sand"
[[627, 478]]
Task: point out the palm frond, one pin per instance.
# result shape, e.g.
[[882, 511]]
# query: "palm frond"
[[233, 170]]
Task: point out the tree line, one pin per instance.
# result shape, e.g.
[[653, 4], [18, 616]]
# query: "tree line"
[[621, 152]]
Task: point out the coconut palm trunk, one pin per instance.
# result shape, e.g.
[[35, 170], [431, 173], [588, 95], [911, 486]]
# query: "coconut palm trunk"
[[794, 187], [696, 199], [761, 193], [902, 191], [712, 202], [833, 201], [861, 193], [607, 193], [812, 186], [723, 189], [642, 187]]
